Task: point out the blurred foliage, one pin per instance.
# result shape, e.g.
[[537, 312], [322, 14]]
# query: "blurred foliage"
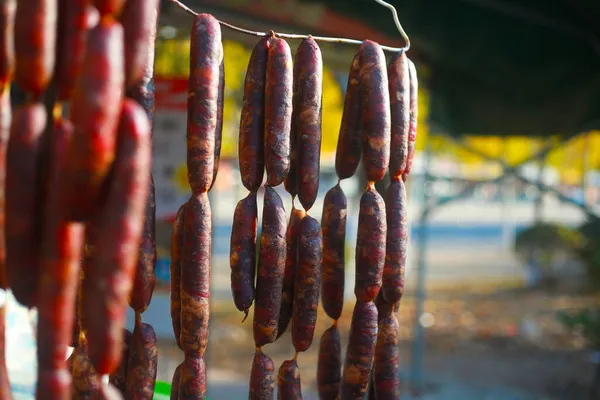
[[586, 322]]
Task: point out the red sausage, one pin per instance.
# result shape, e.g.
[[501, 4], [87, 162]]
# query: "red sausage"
[[117, 235], [195, 275], [396, 242], [386, 375], [73, 26], [106, 7], [7, 46], [5, 120], [219, 129], [176, 382], [370, 246], [400, 115], [119, 378], [142, 363], [262, 377], [308, 110], [192, 385], [349, 146], [35, 41], [271, 268], [86, 381], [59, 264], [243, 252], [22, 210], [252, 121], [307, 288], [95, 110], [278, 111], [329, 367], [360, 352], [376, 111], [291, 179], [176, 247], [139, 21], [205, 61], [333, 223], [288, 381], [289, 276], [414, 116]]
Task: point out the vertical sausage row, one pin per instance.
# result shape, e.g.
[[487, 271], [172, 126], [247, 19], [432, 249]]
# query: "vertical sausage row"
[[414, 116]]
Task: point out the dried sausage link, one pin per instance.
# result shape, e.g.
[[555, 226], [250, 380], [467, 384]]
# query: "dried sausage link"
[[243, 252], [95, 110], [399, 88], [59, 263], [329, 367], [291, 266], [252, 121], [271, 268], [376, 117], [119, 378], [370, 246], [35, 41], [349, 146], [117, 234], [333, 224], [396, 242], [142, 363], [414, 117], [86, 381], [205, 61], [291, 179], [192, 384], [288, 381], [195, 275], [360, 352], [7, 45], [278, 111], [307, 288], [262, 377], [219, 129], [176, 381], [308, 110], [386, 375], [22, 210], [175, 269], [5, 121]]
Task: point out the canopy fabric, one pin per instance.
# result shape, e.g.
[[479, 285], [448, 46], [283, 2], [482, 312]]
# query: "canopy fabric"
[[501, 67]]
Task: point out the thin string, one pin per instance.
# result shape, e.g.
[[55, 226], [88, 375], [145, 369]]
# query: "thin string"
[[185, 8]]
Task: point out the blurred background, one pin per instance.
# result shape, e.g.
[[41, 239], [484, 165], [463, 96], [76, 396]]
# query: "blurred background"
[[503, 273]]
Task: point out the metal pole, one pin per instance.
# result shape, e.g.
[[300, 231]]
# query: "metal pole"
[[418, 334]]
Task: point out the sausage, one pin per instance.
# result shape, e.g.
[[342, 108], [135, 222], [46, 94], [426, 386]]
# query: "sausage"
[[278, 111], [78, 320], [262, 377], [175, 382], [22, 211], [384, 308], [291, 179], [195, 275], [5, 121], [86, 381], [243, 252], [349, 145], [252, 121], [360, 352], [117, 236], [145, 277], [35, 41], [59, 263], [399, 113], [139, 22], [192, 385], [414, 117], [288, 381], [370, 245], [219, 129], [95, 110], [271, 268], [142, 363], [205, 61], [386, 375], [7, 46], [307, 288], [73, 26], [175, 267], [109, 7], [335, 209], [289, 275], [329, 367], [308, 110], [5, 391], [396, 242], [119, 377], [376, 118]]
